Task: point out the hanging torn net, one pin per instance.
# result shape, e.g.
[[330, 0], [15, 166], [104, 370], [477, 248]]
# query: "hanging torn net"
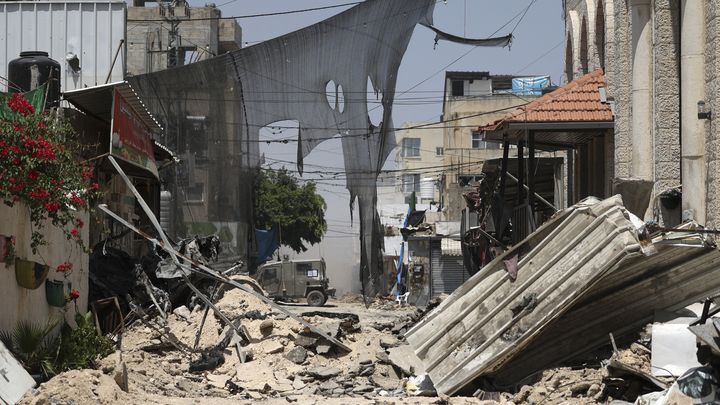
[[285, 78]]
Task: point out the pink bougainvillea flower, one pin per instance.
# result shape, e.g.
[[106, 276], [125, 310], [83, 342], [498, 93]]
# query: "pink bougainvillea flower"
[[74, 294], [33, 175], [19, 104], [74, 232]]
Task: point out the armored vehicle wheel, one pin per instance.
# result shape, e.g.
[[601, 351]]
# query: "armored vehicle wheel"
[[316, 298]]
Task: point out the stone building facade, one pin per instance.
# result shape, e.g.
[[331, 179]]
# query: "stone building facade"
[[660, 63]]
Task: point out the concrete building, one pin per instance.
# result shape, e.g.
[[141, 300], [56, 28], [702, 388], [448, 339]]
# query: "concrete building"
[[167, 35], [471, 100], [660, 63], [211, 189], [420, 159]]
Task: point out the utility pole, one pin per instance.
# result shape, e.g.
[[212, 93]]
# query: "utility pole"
[[174, 46]]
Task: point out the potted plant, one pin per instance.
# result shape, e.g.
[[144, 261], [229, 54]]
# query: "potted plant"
[[55, 293], [30, 274], [39, 167]]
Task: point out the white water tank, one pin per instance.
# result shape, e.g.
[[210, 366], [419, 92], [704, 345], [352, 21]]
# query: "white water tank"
[[427, 188]]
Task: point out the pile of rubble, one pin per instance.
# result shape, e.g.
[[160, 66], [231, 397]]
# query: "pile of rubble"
[[283, 360]]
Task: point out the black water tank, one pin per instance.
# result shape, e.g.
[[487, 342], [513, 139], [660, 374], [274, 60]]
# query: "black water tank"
[[32, 69]]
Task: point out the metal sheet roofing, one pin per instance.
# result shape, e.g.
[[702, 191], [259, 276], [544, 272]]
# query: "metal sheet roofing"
[[97, 101]]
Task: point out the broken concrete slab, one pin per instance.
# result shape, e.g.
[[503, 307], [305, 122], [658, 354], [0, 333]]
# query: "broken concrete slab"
[[323, 349], [297, 355], [404, 358], [324, 373], [387, 342], [218, 381], [274, 347], [298, 384], [182, 312], [305, 341]]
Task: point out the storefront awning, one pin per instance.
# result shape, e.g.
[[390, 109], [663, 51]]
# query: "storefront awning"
[[97, 101]]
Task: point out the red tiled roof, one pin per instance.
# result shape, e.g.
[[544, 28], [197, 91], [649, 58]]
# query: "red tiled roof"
[[577, 101]]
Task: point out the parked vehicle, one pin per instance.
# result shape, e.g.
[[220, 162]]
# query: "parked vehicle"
[[296, 279]]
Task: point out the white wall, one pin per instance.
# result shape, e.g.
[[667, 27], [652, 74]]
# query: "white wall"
[[91, 30], [19, 303]]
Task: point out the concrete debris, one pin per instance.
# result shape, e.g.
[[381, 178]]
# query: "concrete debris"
[[274, 347], [404, 358], [297, 355], [285, 365], [323, 373], [305, 341]]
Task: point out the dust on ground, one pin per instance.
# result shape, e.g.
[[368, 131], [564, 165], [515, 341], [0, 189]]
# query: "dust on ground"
[[287, 364]]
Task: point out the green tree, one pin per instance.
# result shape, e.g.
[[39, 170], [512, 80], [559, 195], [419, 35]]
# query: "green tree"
[[297, 209]]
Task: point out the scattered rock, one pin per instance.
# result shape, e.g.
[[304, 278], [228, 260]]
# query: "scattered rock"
[[580, 388], [182, 312], [297, 355], [362, 389], [274, 347], [305, 341], [324, 373], [255, 395], [266, 326], [405, 359], [329, 386], [218, 381], [382, 357], [323, 349], [279, 387], [593, 390], [387, 342], [298, 384]]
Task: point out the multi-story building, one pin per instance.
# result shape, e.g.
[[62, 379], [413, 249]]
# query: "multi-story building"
[[174, 34], [661, 67], [472, 100], [211, 191], [420, 159]]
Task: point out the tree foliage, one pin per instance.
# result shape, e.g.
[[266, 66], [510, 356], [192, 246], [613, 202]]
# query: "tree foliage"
[[298, 210]]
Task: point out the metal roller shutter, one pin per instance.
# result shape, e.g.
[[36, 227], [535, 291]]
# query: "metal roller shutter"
[[448, 272]]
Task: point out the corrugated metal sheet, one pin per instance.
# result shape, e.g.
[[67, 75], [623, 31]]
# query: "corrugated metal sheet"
[[622, 303], [603, 284], [91, 30], [489, 317], [447, 272]]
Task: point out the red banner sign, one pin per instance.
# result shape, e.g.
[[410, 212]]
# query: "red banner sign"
[[131, 138]]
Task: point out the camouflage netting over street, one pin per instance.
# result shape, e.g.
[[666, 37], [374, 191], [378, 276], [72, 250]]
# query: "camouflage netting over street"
[[286, 79]]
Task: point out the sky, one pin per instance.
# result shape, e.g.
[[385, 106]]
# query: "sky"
[[536, 50]]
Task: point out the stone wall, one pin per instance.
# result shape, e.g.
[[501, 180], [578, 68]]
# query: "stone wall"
[[619, 81], [712, 75], [667, 94]]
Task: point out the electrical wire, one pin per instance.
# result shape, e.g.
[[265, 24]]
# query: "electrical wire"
[[276, 13]]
